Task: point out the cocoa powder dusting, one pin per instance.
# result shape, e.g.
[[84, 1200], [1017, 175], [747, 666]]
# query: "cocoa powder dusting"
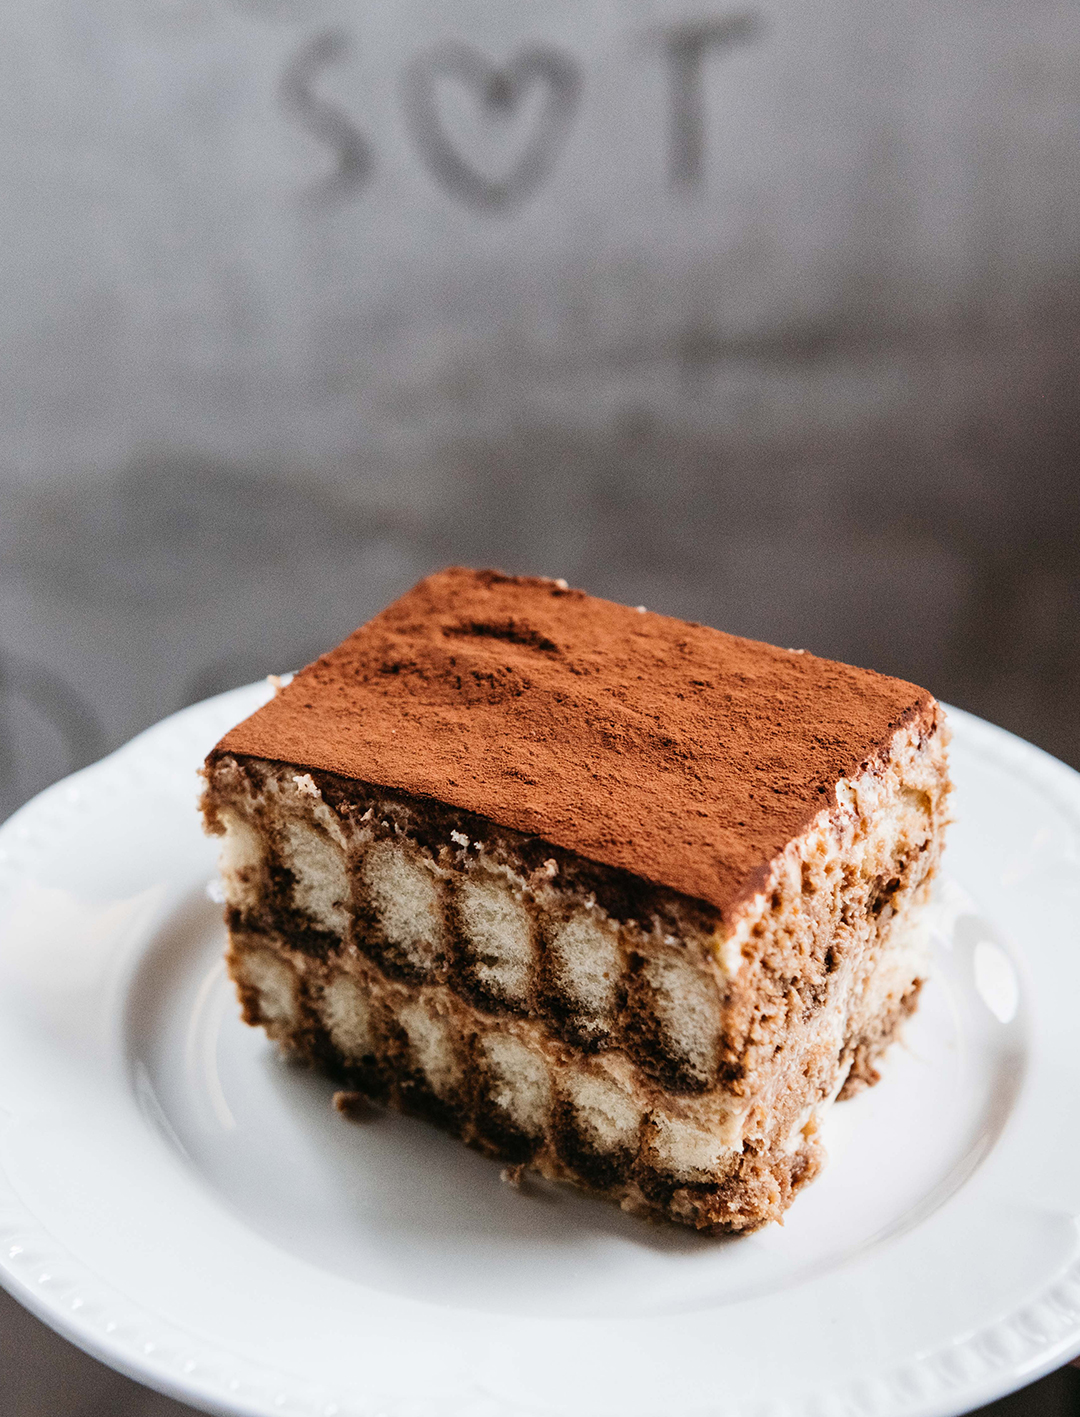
[[687, 756]]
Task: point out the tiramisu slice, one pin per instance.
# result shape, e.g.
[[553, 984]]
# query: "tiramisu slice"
[[618, 898]]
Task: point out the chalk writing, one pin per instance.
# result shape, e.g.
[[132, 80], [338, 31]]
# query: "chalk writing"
[[687, 45], [539, 90], [325, 122]]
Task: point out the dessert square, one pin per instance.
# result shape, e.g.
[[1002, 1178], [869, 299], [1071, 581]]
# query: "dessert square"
[[614, 897]]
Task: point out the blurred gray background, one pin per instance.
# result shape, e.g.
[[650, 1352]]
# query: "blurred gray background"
[[762, 314]]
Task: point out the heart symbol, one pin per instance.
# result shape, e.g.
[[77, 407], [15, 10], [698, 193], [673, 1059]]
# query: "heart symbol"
[[499, 94]]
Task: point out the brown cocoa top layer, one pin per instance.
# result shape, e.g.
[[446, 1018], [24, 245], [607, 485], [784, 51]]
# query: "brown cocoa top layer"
[[657, 746]]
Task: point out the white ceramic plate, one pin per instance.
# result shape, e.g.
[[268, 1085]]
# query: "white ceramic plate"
[[184, 1206]]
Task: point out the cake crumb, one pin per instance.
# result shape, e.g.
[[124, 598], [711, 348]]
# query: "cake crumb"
[[513, 1176], [355, 1106], [306, 783]]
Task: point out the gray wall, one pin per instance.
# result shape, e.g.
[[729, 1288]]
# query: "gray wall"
[[764, 314]]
